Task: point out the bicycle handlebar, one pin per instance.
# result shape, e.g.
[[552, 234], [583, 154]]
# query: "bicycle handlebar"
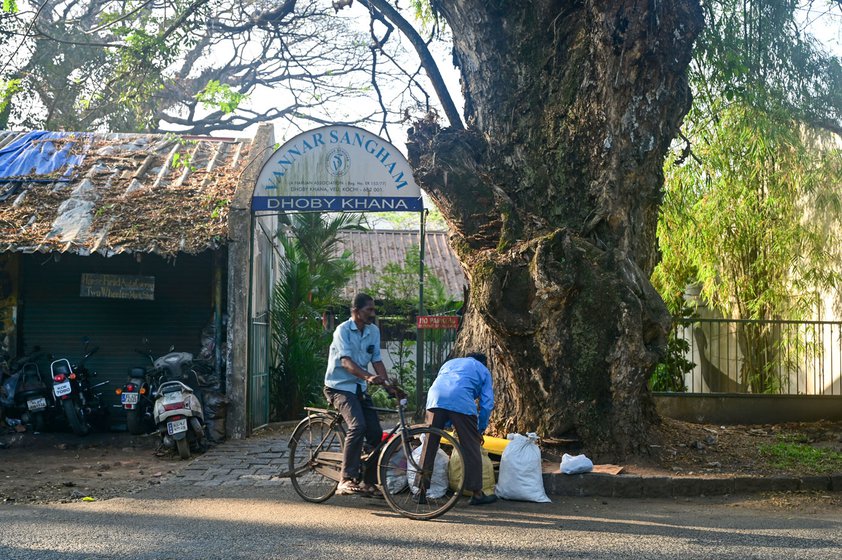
[[395, 391]]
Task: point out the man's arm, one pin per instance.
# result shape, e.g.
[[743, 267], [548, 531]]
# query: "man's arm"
[[355, 370], [486, 400], [381, 371]]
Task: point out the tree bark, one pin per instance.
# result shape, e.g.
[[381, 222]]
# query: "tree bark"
[[552, 196]]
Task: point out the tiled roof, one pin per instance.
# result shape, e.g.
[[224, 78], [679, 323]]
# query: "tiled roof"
[[116, 193], [374, 249]]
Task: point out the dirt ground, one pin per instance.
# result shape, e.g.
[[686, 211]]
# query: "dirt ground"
[[57, 467], [703, 449]]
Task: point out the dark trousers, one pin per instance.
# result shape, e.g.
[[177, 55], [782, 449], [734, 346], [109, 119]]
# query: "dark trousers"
[[469, 439], [361, 425]]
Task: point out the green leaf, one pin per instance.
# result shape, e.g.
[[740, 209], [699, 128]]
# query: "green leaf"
[[220, 96]]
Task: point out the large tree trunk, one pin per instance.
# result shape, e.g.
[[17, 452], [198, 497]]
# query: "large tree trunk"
[[552, 197]]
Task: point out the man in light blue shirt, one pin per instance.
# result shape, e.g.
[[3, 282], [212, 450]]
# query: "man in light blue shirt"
[[452, 399], [356, 343]]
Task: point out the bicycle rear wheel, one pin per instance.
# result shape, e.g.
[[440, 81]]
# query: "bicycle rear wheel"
[[397, 475], [315, 458]]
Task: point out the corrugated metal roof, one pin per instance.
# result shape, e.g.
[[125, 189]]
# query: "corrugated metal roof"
[[373, 250], [114, 193]]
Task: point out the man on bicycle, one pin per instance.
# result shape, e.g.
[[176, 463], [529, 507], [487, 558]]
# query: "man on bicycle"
[[356, 343]]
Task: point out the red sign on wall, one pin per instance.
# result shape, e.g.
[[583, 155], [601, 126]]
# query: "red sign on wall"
[[438, 322]]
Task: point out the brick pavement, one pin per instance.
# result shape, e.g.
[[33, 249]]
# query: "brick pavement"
[[255, 461]]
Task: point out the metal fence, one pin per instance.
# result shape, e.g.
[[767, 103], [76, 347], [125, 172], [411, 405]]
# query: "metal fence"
[[258, 389], [400, 339], [438, 343], [762, 357]]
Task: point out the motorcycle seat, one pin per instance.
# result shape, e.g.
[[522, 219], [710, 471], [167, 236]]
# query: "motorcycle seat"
[[137, 372], [23, 395]]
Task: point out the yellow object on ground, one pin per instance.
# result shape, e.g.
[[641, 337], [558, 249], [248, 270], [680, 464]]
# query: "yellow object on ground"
[[495, 445]]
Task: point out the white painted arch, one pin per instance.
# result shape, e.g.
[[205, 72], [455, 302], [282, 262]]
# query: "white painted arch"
[[336, 168]]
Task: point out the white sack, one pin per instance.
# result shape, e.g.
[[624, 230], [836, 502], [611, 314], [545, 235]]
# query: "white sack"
[[520, 475], [575, 464], [396, 476], [438, 482]]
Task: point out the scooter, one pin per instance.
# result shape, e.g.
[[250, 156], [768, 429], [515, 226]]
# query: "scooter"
[[179, 417], [137, 396], [72, 388]]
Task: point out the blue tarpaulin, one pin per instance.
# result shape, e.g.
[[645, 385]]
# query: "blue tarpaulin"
[[35, 154]]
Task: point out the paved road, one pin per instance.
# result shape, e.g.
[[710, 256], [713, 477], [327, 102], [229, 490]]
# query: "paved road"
[[186, 522], [229, 504]]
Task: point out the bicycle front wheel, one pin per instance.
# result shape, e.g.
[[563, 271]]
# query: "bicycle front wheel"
[[401, 471], [315, 458]]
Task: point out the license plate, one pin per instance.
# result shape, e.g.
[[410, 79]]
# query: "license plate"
[[37, 404], [61, 389], [176, 426], [129, 398]]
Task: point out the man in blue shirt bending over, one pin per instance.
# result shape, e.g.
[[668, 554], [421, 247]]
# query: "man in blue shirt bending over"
[[452, 399], [356, 343]]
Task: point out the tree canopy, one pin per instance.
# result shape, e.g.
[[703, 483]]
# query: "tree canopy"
[[752, 201], [752, 189], [194, 65]]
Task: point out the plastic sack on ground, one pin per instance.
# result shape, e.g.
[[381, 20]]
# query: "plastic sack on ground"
[[216, 404], [575, 464], [455, 474], [521, 477], [438, 482], [396, 479], [7, 390]]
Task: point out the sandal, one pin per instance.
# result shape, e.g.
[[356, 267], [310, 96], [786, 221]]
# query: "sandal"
[[348, 487], [370, 489]]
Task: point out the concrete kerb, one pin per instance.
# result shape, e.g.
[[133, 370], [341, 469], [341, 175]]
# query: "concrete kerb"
[[634, 486]]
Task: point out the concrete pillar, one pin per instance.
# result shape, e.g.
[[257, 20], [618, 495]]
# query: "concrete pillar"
[[239, 243]]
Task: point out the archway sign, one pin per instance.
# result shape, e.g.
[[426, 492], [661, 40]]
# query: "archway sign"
[[336, 169], [343, 169]]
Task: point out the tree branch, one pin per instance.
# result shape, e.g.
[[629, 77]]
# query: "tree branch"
[[427, 60]]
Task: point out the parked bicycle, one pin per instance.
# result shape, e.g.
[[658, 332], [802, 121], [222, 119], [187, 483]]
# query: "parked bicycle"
[[315, 462]]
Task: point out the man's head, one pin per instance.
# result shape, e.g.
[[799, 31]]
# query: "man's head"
[[480, 357], [363, 309]]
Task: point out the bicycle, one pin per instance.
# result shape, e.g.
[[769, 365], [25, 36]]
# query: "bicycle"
[[315, 462]]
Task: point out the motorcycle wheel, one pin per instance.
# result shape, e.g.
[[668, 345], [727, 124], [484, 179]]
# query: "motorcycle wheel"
[[76, 417], [183, 448], [135, 422]]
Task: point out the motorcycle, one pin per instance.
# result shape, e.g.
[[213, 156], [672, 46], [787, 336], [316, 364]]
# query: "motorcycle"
[[25, 394], [72, 388], [136, 398]]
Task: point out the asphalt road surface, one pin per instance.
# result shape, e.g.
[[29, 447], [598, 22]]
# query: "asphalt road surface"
[[171, 522]]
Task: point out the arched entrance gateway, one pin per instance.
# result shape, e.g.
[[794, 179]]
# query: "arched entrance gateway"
[[329, 169]]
